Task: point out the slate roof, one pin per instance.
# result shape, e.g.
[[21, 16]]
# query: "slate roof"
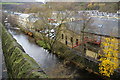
[[100, 26]]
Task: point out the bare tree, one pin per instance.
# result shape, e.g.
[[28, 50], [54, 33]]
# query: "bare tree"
[[51, 33], [13, 20], [73, 29], [86, 25]]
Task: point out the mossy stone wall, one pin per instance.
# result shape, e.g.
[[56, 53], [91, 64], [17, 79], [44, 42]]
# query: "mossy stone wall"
[[18, 63]]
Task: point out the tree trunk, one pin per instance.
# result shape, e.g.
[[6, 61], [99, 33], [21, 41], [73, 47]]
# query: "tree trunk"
[[83, 45]]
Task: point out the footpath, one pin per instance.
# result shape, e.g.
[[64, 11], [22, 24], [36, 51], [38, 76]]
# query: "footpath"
[[3, 70]]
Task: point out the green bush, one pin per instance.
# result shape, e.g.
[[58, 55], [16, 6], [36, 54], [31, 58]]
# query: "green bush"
[[43, 44]]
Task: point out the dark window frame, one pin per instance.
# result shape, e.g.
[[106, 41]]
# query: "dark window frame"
[[62, 36], [76, 41]]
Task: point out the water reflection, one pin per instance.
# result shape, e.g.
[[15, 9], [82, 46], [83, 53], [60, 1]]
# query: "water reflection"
[[54, 67], [41, 56]]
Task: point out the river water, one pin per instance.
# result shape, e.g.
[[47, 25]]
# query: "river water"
[[50, 63]]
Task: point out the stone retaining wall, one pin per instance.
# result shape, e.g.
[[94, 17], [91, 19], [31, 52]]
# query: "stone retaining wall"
[[19, 64]]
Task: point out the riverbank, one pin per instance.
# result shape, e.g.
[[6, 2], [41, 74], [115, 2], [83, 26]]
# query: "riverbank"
[[18, 63], [70, 56]]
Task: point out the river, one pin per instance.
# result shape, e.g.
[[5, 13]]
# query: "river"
[[50, 63]]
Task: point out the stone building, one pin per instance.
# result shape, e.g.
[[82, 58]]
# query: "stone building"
[[27, 20], [71, 35], [73, 39]]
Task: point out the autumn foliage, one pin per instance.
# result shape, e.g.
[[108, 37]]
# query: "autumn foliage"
[[109, 57]]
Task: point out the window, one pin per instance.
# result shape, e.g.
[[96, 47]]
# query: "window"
[[66, 40], [62, 36], [77, 42], [71, 39]]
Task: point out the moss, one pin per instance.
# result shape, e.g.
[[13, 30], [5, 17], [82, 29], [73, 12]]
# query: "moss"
[[31, 60], [15, 55], [43, 44], [35, 74], [8, 48], [26, 69]]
